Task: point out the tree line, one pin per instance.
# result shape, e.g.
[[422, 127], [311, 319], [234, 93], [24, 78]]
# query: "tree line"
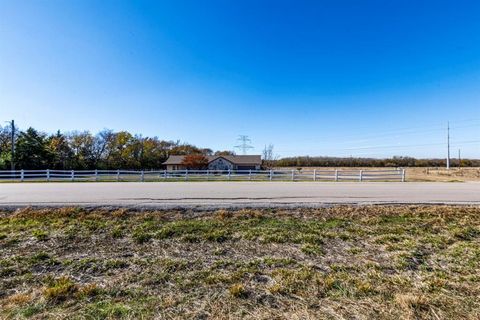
[[80, 150], [306, 161], [84, 150]]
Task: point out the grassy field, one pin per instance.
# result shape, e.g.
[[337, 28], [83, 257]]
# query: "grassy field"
[[442, 174], [418, 173], [417, 262]]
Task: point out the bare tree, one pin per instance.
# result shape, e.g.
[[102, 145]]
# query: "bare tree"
[[269, 158]]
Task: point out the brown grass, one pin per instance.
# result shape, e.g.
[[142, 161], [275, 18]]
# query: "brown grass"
[[372, 262], [421, 173]]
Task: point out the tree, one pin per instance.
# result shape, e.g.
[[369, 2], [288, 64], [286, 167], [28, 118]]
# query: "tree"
[[62, 154], [5, 147], [224, 153], [121, 151], [184, 149], [154, 153], [206, 151], [269, 157], [100, 148], [31, 150], [195, 161], [82, 145]]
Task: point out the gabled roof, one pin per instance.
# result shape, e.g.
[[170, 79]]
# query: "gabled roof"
[[241, 159]]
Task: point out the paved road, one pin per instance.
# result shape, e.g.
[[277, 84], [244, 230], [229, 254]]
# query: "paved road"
[[233, 194]]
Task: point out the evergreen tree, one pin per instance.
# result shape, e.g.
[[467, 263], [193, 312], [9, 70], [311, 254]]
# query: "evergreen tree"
[[31, 150]]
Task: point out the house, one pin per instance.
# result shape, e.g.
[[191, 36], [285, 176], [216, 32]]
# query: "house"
[[242, 162]]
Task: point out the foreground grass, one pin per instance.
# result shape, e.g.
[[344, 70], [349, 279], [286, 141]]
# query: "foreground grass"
[[332, 263]]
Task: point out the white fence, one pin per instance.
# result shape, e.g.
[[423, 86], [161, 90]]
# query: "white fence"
[[205, 175]]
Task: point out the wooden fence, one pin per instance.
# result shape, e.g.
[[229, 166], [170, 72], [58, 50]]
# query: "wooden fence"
[[204, 175]]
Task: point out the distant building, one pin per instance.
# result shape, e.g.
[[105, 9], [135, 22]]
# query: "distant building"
[[251, 162]]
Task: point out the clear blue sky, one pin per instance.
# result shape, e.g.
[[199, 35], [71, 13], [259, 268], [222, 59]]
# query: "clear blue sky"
[[340, 78]]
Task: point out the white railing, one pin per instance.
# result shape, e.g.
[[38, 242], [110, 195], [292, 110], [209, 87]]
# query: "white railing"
[[205, 175]]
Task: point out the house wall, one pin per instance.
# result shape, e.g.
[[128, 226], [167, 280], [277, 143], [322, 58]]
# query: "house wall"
[[171, 167], [247, 167], [220, 164]]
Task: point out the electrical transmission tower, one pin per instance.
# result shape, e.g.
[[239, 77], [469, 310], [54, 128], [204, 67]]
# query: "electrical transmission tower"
[[244, 144]]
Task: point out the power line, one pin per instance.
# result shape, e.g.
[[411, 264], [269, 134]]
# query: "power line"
[[405, 146], [244, 144], [403, 132]]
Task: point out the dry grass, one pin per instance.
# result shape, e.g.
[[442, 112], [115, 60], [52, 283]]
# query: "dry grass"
[[411, 262], [442, 174], [419, 173]]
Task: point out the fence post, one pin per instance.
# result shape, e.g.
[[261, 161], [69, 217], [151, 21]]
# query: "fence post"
[[229, 173], [293, 175], [48, 174], [22, 175], [165, 174], [336, 174], [142, 176], [250, 174], [361, 176], [96, 175], [271, 174], [403, 175], [118, 175], [186, 174], [72, 175]]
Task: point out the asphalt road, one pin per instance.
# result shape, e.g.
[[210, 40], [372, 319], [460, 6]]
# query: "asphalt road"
[[234, 194]]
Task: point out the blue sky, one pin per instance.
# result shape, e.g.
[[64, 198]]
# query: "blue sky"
[[339, 78]]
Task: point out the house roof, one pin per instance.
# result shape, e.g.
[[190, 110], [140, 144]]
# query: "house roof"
[[241, 159]]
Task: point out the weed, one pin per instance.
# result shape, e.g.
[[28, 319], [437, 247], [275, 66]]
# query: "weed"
[[41, 257], [117, 232], [40, 234], [19, 299], [140, 236], [238, 291], [107, 310], [60, 289], [30, 311], [89, 290], [312, 249], [217, 236], [115, 264], [467, 234]]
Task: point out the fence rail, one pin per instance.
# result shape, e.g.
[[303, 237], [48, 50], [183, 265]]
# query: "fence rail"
[[204, 175]]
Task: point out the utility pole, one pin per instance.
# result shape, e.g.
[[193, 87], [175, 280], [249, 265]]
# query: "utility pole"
[[448, 145], [244, 144], [459, 159], [12, 162]]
